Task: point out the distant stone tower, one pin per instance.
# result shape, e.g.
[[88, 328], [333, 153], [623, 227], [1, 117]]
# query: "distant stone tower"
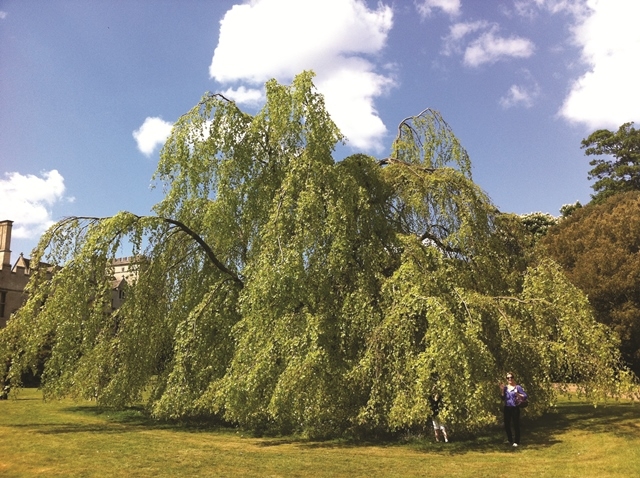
[[5, 242]]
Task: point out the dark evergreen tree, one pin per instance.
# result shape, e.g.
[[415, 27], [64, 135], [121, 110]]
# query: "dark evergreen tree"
[[617, 175]]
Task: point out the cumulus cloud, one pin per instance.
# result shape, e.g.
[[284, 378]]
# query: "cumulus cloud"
[[243, 95], [607, 94], [27, 200], [519, 95], [485, 47], [454, 41], [337, 39], [425, 7], [490, 48], [531, 8], [349, 97], [153, 133]]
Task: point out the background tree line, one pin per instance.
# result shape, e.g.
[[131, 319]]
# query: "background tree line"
[[598, 246]]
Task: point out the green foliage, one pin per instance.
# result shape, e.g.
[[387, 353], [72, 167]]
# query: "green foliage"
[[538, 223], [621, 174], [598, 246], [567, 209], [286, 292]]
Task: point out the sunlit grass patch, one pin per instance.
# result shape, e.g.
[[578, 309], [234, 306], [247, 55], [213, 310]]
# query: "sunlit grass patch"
[[64, 438]]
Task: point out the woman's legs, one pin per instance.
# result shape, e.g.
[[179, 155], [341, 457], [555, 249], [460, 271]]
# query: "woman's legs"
[[507, 423], [512, 415], [516, 424]]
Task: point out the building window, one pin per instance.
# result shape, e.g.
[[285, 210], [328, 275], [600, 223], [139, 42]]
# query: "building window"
[[3, 302]]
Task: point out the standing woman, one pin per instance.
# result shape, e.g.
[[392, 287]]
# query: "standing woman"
[[511, 411]]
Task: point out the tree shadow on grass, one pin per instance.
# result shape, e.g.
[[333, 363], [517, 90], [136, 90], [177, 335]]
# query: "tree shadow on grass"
[[62, 428], [622, 419], [619, 418], [493, 439], [139, 417], [106, 420]]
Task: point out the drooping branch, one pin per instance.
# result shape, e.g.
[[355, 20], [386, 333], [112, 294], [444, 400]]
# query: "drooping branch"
[[407, 123], [387, 161], [427, 235], [180, 225], [205, 247], [427, 138]]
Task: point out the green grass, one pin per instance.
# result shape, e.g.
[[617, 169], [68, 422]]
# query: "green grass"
[[79, 439]]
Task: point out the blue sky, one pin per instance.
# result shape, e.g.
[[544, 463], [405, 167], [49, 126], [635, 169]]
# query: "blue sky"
[[89, 90]]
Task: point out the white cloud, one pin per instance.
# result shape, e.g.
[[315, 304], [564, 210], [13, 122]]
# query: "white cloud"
[[3, 15], [349, 96], [490, 48], [27, 200], [487, 47], [153, 133], [607, 94], [519, 96], [243, 95], [457, 33], [337, 39], [531, 8], [425, 7]]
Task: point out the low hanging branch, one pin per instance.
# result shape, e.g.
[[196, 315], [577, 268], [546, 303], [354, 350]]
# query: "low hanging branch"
[[208, 251], [387, 161], [180, 225], [431, 237]]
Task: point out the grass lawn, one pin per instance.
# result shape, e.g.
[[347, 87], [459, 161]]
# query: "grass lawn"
[[79, 439]]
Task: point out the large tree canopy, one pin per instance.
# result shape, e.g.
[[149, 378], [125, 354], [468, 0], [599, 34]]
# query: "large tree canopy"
[[599, 248], [284, 291], [617, 175]]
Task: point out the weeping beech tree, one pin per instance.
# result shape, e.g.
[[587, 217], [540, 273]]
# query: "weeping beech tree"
[[286, 292]]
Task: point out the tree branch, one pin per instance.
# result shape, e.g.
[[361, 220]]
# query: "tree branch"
[[183, 227], [439, 243], [386, 161], [208, 251]]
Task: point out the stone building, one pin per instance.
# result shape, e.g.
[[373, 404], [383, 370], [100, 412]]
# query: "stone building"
[[14, 278], [125, 268]]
